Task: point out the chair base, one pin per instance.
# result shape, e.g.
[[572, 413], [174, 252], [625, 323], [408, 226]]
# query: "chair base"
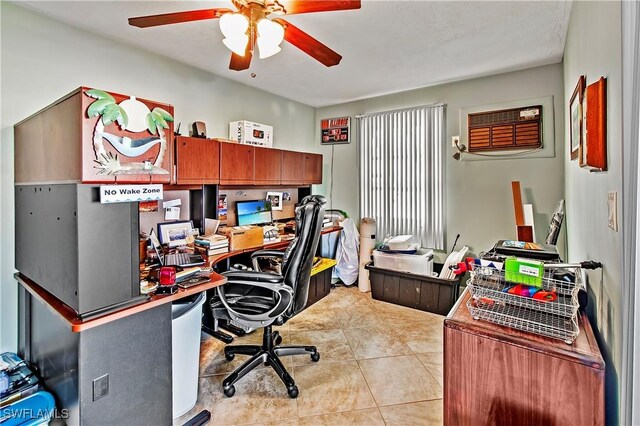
[[268, 354]]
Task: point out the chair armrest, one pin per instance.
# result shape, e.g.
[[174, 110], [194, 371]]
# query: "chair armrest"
[[233, 276], [264, 254], [282, 292]]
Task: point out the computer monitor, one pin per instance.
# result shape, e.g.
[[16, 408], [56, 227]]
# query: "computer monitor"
[[256, 212]]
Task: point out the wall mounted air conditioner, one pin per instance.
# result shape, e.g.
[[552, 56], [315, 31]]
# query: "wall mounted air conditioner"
[[515, 128]]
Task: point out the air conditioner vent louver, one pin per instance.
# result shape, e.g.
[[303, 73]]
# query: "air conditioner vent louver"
[[516, 128]]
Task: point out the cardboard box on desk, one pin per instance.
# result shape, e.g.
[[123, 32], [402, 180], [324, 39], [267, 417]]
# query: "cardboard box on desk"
[[242, 237]]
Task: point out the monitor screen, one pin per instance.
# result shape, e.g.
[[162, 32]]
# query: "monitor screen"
[[253, 212]]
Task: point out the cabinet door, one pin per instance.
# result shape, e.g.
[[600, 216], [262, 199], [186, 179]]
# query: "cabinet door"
[[236, 164], [267, 166], [197, 161], [292, 167], [312, 168]]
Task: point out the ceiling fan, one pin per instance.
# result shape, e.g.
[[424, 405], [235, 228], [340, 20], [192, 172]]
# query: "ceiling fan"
[[251, 26]]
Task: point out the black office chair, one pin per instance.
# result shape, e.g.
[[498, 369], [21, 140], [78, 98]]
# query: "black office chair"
[[254, 299]]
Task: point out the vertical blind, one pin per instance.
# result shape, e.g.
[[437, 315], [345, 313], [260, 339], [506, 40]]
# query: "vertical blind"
[[402, 172]]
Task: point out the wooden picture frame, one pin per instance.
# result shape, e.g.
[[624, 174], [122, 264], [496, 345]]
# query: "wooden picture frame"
[[575, 119]]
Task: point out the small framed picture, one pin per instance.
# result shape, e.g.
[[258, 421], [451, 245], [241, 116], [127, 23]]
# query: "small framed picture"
[[276, 200], [575, 117], [175, 233]]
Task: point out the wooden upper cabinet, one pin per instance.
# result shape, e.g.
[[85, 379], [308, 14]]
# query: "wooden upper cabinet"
[[292, 167], [95, 136], [312, 168], [197, 161], [236, 164], [267, 166]]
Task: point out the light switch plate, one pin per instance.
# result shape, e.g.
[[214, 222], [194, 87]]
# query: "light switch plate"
[[455, 140], [612, 204], [100, 387]]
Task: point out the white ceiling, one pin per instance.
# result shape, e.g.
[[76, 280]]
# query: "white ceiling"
[[387, 46]]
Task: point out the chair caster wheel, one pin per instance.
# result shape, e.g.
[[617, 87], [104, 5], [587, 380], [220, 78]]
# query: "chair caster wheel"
[[230, 391], [277, 340], [315, 357], [229, 357], [292, 391]]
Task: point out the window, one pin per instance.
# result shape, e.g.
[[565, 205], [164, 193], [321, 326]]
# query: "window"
[[402, 172]]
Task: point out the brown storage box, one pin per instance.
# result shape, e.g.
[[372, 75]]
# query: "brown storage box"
[[431, 294], [242, 237]]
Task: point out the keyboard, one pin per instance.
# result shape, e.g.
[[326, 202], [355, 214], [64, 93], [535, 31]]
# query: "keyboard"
[[176, 259]]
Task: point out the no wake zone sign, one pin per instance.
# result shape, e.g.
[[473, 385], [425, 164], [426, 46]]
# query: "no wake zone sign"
[[130, 193]]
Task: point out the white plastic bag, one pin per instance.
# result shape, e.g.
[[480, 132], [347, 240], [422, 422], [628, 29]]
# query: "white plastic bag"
[[347, 253]]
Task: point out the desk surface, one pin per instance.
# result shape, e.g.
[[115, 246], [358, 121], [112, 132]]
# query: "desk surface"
[[283, 243], [78, 325]]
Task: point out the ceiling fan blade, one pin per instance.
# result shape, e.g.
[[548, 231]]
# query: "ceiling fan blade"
[[240, 63], [177, 17], [306, 6], [309, 45]]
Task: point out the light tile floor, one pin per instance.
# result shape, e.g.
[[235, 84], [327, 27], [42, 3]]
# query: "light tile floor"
[[379, 364]]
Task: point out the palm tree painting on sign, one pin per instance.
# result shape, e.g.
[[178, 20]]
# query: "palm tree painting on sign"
[[133, 155]]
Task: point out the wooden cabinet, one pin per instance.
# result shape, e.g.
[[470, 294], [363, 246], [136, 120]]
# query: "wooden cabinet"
[[312, 168], [197, 161], [498, 375], [267, 166], [94, 136], [292, 167], [236, 164], [210, 161]]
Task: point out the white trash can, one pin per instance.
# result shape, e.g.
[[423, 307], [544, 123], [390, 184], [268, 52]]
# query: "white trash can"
[[186, 322]]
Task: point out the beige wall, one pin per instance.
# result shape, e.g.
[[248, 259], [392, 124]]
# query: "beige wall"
[[593, 49], [479, 202], [43, 60]]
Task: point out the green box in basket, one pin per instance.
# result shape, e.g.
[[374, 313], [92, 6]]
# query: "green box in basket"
[[524, 271]]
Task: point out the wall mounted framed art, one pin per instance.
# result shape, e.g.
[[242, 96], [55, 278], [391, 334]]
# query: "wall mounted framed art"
[[335, 130], [575, 119], [593, 155]]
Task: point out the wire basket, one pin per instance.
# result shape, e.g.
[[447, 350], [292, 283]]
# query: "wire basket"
[[557, 318]]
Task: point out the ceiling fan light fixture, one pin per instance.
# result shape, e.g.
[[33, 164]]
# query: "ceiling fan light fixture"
[[270, 35], [267, 50], [233, 25], [237, 45]]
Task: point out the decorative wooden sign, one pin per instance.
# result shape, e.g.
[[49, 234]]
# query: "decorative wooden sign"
[[125, 137], [594, 152]]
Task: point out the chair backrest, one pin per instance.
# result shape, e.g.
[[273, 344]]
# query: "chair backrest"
[[298, 257]]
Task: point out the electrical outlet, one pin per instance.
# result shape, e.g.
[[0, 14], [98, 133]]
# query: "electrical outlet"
[[100, 387], [612, 206], [455, 141]]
